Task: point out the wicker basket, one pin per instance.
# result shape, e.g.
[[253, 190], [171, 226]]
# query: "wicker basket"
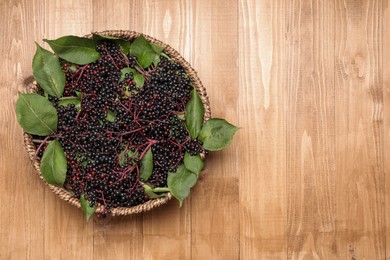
[[66, 195]]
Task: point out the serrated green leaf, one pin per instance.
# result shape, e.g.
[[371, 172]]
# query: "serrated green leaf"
[[151, 194], [139, 79], [194, 114], [181, 182], [157, 48], [193, 163], [110, 116], [36, 114], [143, 51], [156, 61], [125, 71], [53, 164], [147, 165], [71, 100], [217, 134], [87, 209], [48, 73], [125, 46], [75, 49]]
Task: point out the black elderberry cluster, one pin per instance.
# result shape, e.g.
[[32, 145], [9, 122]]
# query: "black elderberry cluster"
[[103, 153]]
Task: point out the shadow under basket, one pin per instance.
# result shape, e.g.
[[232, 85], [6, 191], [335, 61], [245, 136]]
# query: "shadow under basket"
[[152, 203]]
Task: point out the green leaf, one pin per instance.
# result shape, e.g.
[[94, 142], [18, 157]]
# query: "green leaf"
[[193, 163], [143, 51], [75, 49], [53, 164], [180, 183], [157, 48], [36, 114], [194, 114], [70, 100], [110, 116], [151, 194], [73, 67], [48, 73], [125, 71], [166, 56], [156, 61], [139, 79], [87, 209], [161, 189], [79, 94], [217, 134], [124, 44], [147, 165]]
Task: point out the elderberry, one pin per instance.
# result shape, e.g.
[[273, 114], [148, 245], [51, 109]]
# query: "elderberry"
[[103, 154]]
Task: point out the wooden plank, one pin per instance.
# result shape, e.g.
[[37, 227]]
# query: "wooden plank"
[[310, 130], [263, 212], [169, 22], [359, 133], [167, 232], [123, 15], [119, 237], [64, 224], [386, 117], [214, 204], [22, 193]]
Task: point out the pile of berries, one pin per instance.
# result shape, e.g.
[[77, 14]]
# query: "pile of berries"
[[116, 122]]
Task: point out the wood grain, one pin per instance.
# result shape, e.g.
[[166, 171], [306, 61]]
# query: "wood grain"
[[359, 130], [262, 74], [22, 193], [310, 130], [214, 205], [308, 174], [62, 226], [386, 117]]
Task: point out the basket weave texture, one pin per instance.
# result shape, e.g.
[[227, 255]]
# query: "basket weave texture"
[[66, 195]]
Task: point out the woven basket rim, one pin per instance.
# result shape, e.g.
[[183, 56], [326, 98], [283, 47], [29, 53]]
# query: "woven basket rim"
[[152, 203]]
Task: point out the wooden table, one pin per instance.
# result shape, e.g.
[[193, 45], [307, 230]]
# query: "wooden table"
[[307, 176]]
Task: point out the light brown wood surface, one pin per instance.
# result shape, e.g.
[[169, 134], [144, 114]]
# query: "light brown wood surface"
[[306, 177]]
